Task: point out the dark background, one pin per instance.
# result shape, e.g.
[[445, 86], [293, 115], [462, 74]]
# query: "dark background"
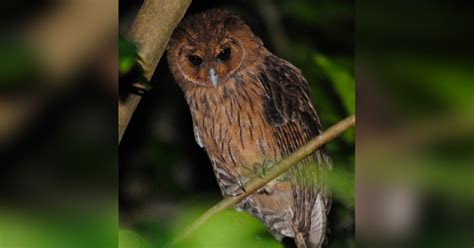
[[58, 135]]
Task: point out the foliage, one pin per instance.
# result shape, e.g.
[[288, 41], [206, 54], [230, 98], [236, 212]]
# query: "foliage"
[[127, 55], [130, 70], [57, 229], [129, 239], [342, 80], [18, 65], [228, 229]]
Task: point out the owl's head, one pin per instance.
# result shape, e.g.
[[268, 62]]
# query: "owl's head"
[[208, 48]]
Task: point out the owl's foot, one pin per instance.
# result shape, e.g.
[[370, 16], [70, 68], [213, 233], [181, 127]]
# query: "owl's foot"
[[240, 183], [237, 188], [260, 169], [299, 239]]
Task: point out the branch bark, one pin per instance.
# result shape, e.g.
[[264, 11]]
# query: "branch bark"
[[151, 31], [278, 169]]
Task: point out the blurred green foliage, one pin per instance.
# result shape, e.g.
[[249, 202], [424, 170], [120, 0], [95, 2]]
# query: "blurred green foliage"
[[130, 70], [428, 83], [324, 15], [342, 79], [342, 183], [234, 230], [129, 239], [18, 65], [415, 67], [58, 229], [226, 229], [127, 55]]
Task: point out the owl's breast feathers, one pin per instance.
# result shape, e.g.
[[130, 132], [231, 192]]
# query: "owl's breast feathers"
[[230, 123], [266, 113]]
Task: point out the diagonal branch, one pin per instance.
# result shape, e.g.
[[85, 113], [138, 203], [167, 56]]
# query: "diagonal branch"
[[278, 169], [151, 30]]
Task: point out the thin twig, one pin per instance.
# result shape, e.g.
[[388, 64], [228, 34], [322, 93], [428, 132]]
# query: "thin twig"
[[278, 169], [151, 31]]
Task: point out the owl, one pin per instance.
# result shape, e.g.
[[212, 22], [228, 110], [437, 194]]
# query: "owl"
[[251, 109]]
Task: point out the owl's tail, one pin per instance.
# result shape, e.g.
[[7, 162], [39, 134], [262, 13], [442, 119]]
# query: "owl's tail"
[[318, 229]]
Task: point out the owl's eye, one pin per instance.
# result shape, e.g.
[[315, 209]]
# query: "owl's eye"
[[224, 54], [195, 60]]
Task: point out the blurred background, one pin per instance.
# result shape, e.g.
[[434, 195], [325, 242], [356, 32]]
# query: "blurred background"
[[166, 179], [415, 124], [58, 135]]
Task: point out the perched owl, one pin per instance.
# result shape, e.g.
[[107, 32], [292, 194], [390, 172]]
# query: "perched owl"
[[251, 109]]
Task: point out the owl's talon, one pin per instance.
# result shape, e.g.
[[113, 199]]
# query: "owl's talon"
[[237, 188], [260, 169], [233, 191], [299, 239], [241, 185]]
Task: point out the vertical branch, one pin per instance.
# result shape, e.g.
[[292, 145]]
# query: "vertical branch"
[[151, 31]]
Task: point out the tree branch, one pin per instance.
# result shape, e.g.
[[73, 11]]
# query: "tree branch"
[[151, 31], [278, 169]]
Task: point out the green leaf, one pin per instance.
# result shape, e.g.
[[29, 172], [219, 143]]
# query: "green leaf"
[[342, 79], [127, 55], [129, 68], [342, 185], [18, 64], [58, 228], [231, 229], [129, 239]]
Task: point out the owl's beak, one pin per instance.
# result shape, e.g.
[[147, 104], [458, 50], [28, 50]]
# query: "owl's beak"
[[213, 77]]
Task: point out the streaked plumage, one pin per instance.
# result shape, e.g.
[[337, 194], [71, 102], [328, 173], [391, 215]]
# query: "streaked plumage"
[[250, 108]]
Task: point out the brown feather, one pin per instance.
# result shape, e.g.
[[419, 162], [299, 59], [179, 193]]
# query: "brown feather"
[[258, 109]]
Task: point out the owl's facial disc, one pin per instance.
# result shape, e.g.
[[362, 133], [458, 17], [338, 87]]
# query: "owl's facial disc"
[[209, 62]]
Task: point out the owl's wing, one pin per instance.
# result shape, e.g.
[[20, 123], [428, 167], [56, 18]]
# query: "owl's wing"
[[290, 112], [288, 106]]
